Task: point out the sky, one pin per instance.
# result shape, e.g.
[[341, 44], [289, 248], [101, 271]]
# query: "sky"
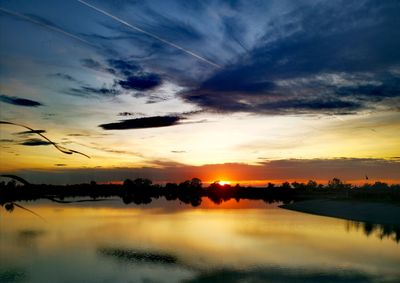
[[243, 91]]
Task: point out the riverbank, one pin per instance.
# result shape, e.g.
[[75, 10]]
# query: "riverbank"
[[365, 211]]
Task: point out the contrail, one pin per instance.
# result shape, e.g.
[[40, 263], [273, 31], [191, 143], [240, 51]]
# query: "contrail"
[[60, 148], [150, 34], [53, 28]]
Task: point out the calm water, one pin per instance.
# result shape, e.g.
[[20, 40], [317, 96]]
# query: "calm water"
[[249, 241]]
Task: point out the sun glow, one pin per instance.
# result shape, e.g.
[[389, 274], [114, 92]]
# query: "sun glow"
[[223, 183]]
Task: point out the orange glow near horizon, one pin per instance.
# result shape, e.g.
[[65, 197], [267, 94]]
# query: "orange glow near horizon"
[[223, 182]]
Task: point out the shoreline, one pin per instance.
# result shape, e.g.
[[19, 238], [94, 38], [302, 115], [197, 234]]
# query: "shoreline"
[[361, 211]]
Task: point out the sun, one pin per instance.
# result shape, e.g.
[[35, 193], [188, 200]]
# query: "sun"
[[223, 183]]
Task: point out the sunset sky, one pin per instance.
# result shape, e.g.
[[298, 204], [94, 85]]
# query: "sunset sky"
[[245, 91]]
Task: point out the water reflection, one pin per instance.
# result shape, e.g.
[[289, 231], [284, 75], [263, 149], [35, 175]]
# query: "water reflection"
[[276, 274], [170, 241], [137, 256], [12, 275], [383, 231], [30, 234]]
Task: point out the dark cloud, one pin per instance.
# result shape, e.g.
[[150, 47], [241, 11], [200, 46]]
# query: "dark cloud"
[[35, 142], [60, 165], [141, 82], [131, 114], [128, 75], [178, 151], [299, 105], [19, 101], [124, 67], [290, 106], [142, 123], [78, 135], [289, 69], [388, 87]]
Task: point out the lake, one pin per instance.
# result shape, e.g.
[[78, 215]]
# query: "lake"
[[246, 241]]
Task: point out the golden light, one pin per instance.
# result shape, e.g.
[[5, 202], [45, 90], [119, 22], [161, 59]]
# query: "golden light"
[[223, 183]]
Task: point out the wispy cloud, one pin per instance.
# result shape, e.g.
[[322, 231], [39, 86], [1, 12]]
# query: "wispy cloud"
[[152, 35], [88, 91], [64, 77]]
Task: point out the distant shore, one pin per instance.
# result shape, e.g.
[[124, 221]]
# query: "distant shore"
[[364, 211]]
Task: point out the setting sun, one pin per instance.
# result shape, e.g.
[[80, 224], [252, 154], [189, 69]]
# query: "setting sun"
[[223, 183]]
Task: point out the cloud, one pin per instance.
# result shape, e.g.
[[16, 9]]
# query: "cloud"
[[131, 114], [78, 135], [97, 66], [385, 88], [141, 82], [128, 76], [124, 67], [287, 70], [88, 91], [64, 77], [19, 101], [276, 59], [150, 34], [178, 151], [35, 142], [142, 123]]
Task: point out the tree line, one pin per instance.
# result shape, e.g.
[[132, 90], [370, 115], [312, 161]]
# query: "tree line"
[[143, 191]]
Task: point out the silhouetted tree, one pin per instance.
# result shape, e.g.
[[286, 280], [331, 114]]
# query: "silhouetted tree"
[[380, 186], [335, 183], [128, 183], [185, 184], [142, 182], [312, 185], [215, 185], [11, 184], [196, 183]]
